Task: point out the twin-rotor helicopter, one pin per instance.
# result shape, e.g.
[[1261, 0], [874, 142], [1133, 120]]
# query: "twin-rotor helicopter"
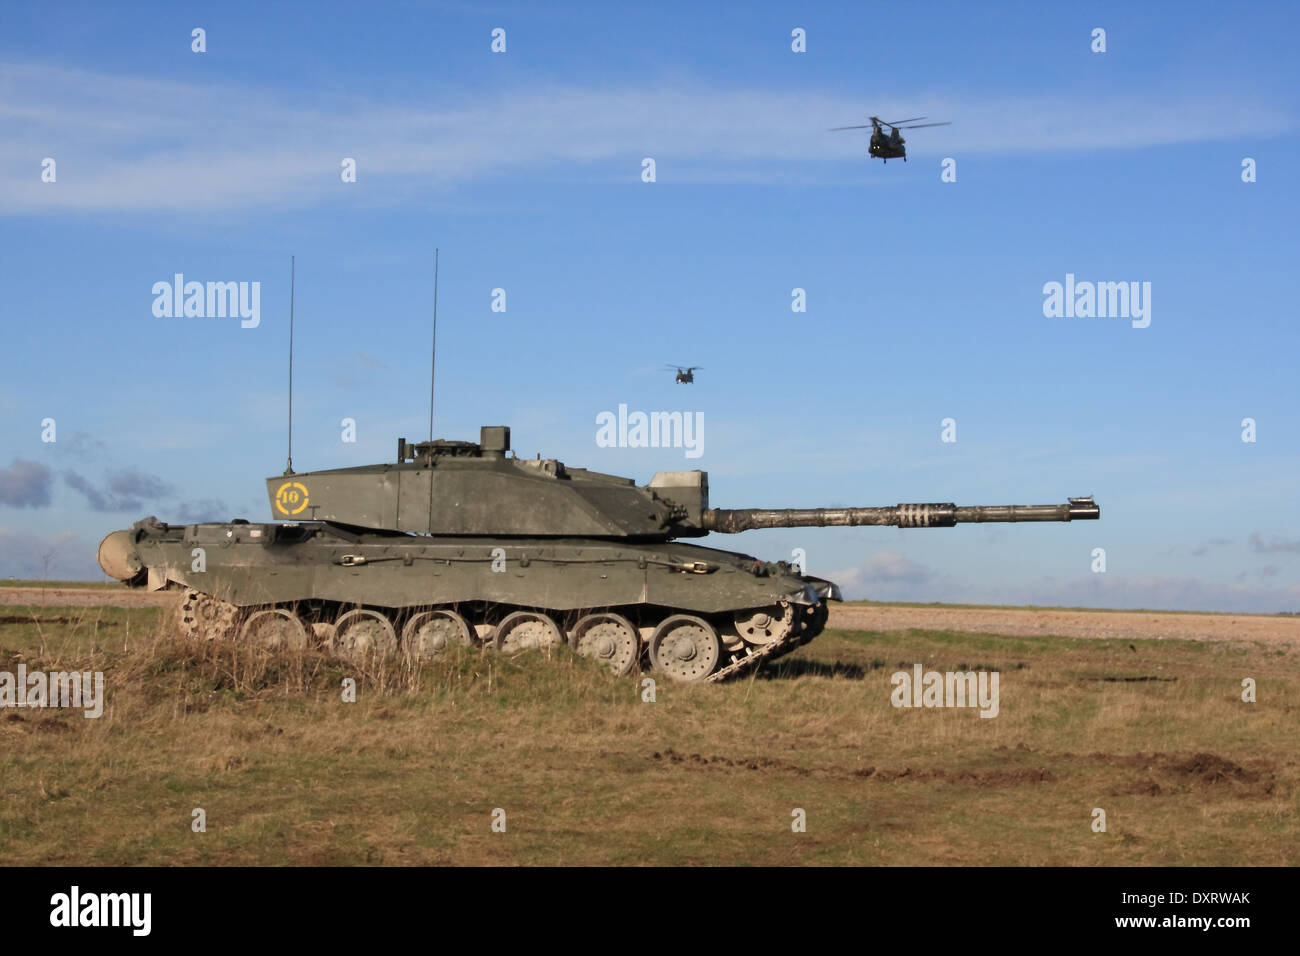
[[886, 146], [883, 146]]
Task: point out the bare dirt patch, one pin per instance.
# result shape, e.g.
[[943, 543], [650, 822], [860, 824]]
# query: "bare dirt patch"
[[1197, 771], [89, 597], [1138, 774], [1115, 625], [996, 778], [19, 619]]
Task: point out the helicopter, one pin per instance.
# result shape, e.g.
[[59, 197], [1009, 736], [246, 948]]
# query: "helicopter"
[[889, 146], [685, 376]]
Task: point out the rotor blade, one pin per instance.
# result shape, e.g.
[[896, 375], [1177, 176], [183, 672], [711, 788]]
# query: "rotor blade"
[[897, 122], [834, 128], [924, 125]]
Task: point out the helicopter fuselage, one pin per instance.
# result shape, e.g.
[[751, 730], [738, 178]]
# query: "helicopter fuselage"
[[887, 146]]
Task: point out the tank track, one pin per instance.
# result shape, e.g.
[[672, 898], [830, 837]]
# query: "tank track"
[[203, 615], [750, 659]]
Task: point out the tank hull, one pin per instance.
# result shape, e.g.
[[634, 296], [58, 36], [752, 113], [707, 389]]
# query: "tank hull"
[[320, 572], [255, 564]]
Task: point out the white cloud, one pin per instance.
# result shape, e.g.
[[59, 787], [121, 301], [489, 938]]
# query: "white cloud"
[[124, 143], [889, 576]]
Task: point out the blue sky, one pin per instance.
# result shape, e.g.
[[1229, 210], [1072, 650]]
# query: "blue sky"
[[924, 298]]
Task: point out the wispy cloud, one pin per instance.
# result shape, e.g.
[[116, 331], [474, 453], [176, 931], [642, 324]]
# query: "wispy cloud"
[[126, 490], [124, 143], [25, 484], [84, 446], [204, 509], [1210, 544], [1273, 545]]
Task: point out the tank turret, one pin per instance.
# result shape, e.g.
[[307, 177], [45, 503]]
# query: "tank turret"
[[463, 488]]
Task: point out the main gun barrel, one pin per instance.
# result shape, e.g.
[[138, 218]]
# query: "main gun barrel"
[[733, 521]]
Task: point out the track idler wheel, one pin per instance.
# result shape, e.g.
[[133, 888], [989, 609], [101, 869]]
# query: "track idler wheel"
[[765, 625], [685, 648], [610, 638]]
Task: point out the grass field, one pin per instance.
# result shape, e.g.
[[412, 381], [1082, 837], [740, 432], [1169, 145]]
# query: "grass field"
[[1153, 732]]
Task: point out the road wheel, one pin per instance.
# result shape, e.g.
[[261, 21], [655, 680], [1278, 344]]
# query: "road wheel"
[[685, 648], [524, 629], [610, 638], [431, 634], [275, 628], [362, 633]]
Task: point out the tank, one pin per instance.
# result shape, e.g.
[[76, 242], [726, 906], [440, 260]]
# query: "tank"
[[460, 543]]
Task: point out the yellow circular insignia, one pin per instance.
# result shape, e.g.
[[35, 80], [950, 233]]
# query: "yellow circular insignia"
[[291, 498]]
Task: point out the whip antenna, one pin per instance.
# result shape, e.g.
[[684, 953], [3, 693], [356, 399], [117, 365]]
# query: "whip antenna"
[[433, 358], [288, 469]]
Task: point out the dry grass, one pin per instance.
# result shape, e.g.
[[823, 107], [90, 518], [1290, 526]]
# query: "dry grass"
[[588, 773]]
